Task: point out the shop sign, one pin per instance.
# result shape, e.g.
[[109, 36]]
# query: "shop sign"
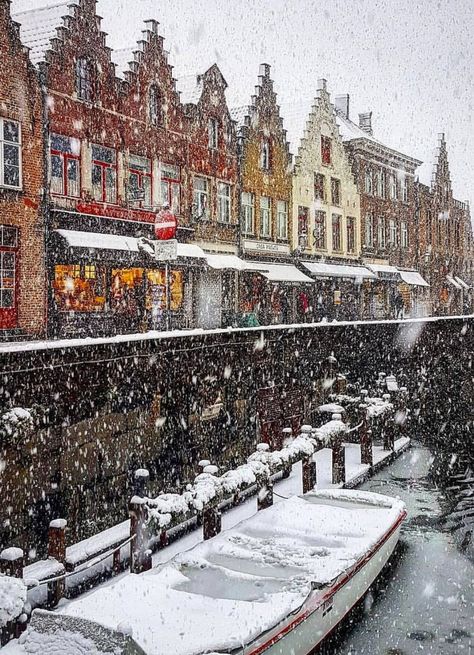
[[120, 213], [166, 250], [337, 297], [266, 246], [165, 225]]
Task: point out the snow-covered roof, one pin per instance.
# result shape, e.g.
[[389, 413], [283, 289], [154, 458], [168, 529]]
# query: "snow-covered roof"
[[38, 27], [190, 88], [78, 239], [349, 130], [278, 272], [413, 278], [238, 114]]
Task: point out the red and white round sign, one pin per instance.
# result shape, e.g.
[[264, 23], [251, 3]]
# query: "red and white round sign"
[[165, 225]]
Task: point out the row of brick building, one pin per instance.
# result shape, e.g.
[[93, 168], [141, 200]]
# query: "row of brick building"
[[322, 220]]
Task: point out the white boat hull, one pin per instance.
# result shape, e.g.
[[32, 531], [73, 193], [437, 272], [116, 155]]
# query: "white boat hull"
[[300, 633]]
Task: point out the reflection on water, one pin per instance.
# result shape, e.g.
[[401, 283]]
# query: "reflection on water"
[[424, 601]]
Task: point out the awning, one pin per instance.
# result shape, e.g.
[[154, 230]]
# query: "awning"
[[190, 250], [413, 278], [278, 272], [96, 240], [461, 282], [219, 261], [338, 270], [385, 272], [453, 282]]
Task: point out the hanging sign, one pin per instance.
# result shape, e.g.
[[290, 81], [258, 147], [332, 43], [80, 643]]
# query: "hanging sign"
[[165, 225]]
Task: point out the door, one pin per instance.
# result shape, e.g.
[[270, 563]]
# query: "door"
[[8, 277]]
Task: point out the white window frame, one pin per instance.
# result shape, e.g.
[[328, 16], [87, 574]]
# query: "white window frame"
[[404, 234], [393, 187], [15, 144], [224, 202], [265, 216], [405, 189], [282, 219], [369, 182], [247, 207], [170, 179], [202, 198], [392, 232], [142, 168], [369, 231]]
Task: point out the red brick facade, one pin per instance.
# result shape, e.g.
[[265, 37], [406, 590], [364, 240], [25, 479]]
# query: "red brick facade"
[[22, 292]]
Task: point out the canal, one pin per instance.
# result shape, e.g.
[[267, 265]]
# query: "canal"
[[425, 601]]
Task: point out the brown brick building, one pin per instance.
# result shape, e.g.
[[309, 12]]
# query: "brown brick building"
[[22, 258], [444, 253]]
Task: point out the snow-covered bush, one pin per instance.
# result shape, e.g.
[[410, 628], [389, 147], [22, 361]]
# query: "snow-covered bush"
[[12, 599]]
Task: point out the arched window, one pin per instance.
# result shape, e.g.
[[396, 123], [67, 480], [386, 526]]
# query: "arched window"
[[155, 108], [84, 81]]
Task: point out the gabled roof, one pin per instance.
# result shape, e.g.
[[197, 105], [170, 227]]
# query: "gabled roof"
[[239, 115], [190, 88], [38, 27]]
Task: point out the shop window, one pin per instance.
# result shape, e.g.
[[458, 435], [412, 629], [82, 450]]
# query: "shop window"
[[326, 150], [126, 291], [213, 133], [79, 288], [369, 231], [335, 192], [336, 232], [171, 187], [104, 174], [139, 181], [155, 105], [201, 198], [10, 154], [265, 155], [65, 166], [282, 219], [248, 212], [351, 234], [156, 296], [320, 230], [84, 79], [223, 202], [404, 234], [8, 267], [319, 187], [303, 226], [265, 216], [381, 232]]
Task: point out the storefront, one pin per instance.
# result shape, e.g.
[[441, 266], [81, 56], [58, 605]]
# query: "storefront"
[[398, 293]]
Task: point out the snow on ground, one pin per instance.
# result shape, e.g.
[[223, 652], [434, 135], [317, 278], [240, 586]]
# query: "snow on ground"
[[228, 590]]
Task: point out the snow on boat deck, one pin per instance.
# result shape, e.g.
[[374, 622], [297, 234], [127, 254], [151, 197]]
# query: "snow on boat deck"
[[225, 592]]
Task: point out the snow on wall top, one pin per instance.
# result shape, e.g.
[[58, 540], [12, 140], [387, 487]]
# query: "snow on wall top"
[[121, 58], [38, 27]]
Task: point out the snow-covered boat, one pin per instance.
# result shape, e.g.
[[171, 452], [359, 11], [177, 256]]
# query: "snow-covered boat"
[[277, 583]]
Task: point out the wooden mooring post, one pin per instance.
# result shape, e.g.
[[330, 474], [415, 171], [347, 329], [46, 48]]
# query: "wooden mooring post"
[[338, 462], [308, 467], [57, 550], [365, 436], [140, 553]]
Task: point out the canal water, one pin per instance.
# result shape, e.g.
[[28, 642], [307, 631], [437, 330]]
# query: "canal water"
[[424, 603]]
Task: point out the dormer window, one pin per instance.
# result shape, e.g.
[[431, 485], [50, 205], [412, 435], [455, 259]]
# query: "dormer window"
[[84, 82], [155, 105], [213, 133], [265, 155]]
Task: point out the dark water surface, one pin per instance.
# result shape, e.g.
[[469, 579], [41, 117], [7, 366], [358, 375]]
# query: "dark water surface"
[[425, 601]]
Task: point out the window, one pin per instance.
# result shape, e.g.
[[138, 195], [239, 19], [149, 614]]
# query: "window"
[[265, 155], [84, 83], [405, 189], [213, 133], [320, 230], [351, 235], [282, 219], [10, 153], [393, 188], [335, 192], [368, 181], [326, 150], [79, 287], [404, 234], [303, 224], [265, 217], [392, 233], [336, 232], [201, 198], [383, 192], [171, 186], [377, 184], [155, 105], [104, 174], [223, 202], [381, 234], [319, 187], [248, 212], [65, 166], [139, 181], [8, 246], [369, 231]]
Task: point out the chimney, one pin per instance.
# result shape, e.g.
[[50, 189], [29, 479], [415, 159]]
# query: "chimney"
[[322, 84], [365, 122], [264, 70], [342, 105]]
